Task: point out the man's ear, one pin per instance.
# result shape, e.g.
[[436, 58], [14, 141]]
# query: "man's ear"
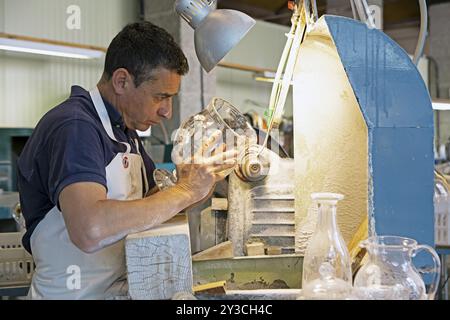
[[121, 80]]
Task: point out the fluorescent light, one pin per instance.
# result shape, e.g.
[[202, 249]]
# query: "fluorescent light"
[[441, 105], [43, 52], [50, 49]]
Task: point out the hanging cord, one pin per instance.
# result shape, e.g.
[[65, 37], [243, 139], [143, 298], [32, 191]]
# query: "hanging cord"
[[355, 15], [315, 12]]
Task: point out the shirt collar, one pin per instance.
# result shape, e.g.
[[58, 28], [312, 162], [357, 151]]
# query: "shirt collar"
[[114, 115]]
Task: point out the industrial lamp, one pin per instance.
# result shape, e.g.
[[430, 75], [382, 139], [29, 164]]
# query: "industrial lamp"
[[216, 31]]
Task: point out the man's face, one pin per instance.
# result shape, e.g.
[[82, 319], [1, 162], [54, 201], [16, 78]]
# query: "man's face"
[[151, 101]]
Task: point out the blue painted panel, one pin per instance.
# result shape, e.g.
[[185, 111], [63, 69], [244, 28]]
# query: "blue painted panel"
[[387, 84], [397, 108], [403, 181]]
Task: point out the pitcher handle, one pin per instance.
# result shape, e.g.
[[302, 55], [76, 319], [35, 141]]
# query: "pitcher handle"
[[436, 270]]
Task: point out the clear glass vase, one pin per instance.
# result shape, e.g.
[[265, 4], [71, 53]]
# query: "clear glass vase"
[[236, 133], [326, 265]]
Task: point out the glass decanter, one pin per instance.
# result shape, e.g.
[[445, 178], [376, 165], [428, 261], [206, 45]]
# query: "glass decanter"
[[326, 264], [389, 273]]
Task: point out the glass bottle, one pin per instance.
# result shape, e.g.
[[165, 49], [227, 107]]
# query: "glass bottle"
[[326, 264]]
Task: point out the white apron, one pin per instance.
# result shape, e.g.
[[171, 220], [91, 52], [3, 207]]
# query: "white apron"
[[65, 272]]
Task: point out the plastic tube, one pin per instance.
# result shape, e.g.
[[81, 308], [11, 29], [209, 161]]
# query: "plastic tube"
[[287, 63], [314, 10], [352, 3]]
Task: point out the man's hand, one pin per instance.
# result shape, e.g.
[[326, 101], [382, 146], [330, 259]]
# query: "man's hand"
[[199, 173]]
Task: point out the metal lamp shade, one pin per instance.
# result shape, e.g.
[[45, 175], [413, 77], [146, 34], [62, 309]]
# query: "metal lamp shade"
[[220, 32]]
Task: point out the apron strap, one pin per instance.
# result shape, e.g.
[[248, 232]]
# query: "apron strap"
[[144, 170], [104, 117]]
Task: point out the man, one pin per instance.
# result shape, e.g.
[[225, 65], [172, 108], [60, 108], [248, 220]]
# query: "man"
[[83, 175]]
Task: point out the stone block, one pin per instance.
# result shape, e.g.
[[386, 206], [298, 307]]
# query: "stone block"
[[254, 249], [159, 261]]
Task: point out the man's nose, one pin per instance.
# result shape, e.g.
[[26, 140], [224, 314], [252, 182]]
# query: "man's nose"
[[165, 111]]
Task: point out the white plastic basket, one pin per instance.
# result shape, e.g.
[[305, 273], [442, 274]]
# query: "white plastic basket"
[[441, 222], [16, 264]]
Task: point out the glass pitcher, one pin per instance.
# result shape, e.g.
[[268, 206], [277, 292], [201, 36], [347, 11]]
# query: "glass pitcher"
[[219, 116], [389, 273], [326, 264]]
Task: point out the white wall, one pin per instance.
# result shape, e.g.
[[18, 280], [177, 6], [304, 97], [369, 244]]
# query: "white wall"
[[2, 9], [262, 47], [30, 85]]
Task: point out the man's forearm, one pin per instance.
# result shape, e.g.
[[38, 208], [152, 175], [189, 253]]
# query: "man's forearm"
[[107, 221], [117, 218]]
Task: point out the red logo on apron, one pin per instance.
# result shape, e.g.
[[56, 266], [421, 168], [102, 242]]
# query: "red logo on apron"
[[125, 162]]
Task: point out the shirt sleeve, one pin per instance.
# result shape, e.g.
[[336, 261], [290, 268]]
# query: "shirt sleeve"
[[76, 154]]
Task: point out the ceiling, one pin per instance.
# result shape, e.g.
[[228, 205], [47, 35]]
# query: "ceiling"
[[397, 13]]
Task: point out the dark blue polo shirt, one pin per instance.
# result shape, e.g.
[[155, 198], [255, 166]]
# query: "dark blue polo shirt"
[[68, 145]]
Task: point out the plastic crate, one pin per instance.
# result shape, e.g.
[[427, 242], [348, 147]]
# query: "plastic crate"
[[16, 264], [441, 222]]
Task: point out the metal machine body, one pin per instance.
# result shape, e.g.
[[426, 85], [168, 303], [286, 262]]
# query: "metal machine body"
[[263, 211]]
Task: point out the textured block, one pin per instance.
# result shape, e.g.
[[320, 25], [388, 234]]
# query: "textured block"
[[217, 287], [159, 261], [223, 250], [219, 204], [274, 250], [254, 249]]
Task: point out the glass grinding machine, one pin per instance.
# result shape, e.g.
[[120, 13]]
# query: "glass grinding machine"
[[363, 127]]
